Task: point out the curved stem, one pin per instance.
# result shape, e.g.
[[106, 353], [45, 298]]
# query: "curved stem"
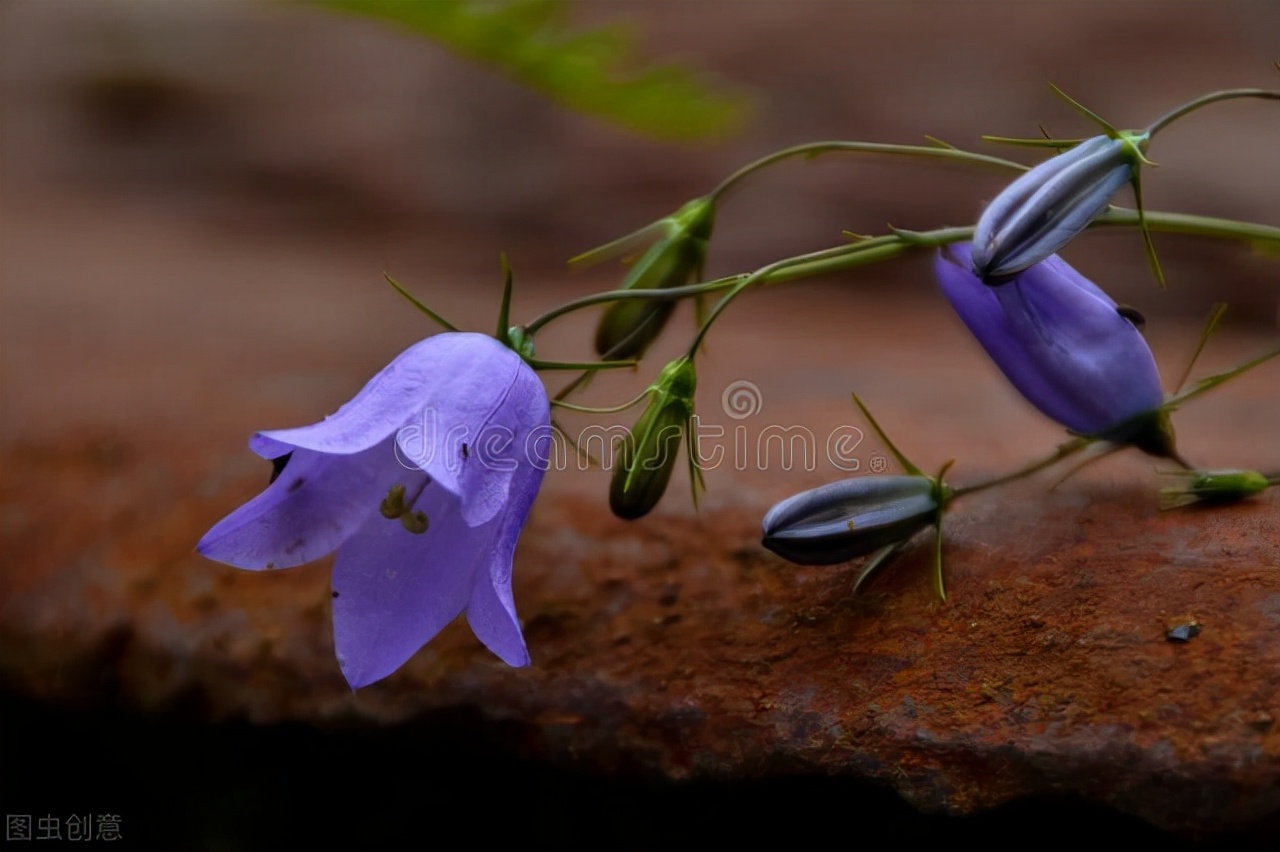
[[900, 242], [1064, 451], [1204, 100], [830, 260], [614, 409], [813, 149], [1186, 223], [588, 366], [621, 295]]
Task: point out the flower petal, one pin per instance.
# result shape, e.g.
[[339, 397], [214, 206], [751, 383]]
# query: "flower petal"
[[443, 368], [492, 616], [394, 590], [314, 505], [477, 424], [1058, 339], [492, 610]]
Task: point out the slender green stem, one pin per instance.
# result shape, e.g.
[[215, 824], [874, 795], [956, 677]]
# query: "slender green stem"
[[830, 260], [1186, 223], [725, 301], [813, 149], [622, 295], [900, 242], [613, 409], [1064, 451], [1204, 100], [588, 366], [1059, 144]]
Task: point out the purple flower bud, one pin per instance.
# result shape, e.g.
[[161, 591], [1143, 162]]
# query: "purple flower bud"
[[850, 518], [1047, 206], [1063, 343]]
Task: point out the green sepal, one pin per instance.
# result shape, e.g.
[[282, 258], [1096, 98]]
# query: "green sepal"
[[1211, 323], [1148, 245], [880, 559], [902, 460], [1106, 126], [942, 495], [435, 317]]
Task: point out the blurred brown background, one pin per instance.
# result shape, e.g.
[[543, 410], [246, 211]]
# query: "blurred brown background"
[[189, 188]]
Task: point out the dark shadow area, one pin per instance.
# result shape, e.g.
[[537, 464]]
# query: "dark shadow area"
[[179, 785]]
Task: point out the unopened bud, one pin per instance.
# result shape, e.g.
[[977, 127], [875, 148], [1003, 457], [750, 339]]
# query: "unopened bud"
[[844, 520], [643, 465], [629, 326], [1047, 206], [1213, 486]]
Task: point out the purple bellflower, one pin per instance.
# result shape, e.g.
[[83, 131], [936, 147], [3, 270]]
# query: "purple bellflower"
[[1065, 345], [421, 484]]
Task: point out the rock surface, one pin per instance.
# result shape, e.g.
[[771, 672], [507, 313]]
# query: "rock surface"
[[141, 348]]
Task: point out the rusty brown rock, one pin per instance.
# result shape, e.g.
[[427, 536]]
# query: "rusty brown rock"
[[141, 350], [676, 646]]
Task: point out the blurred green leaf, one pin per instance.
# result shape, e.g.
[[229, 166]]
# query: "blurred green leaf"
[[586, 71]]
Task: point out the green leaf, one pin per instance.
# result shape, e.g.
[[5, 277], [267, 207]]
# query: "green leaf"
[[586, 71]]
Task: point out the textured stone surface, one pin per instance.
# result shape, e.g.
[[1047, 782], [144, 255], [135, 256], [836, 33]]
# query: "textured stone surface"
[[675, 646], [141, 348]]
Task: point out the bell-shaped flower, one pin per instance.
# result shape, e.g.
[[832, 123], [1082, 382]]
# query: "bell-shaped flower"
[[630, 326], [1063, 343], [1047, 206], [421, 485], [648, 455]]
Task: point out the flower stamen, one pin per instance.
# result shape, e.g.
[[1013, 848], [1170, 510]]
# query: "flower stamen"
[[395, 506]]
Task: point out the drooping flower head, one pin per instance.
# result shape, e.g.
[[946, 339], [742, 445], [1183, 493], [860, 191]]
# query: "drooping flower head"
[[1065, 345], [421, 485]]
